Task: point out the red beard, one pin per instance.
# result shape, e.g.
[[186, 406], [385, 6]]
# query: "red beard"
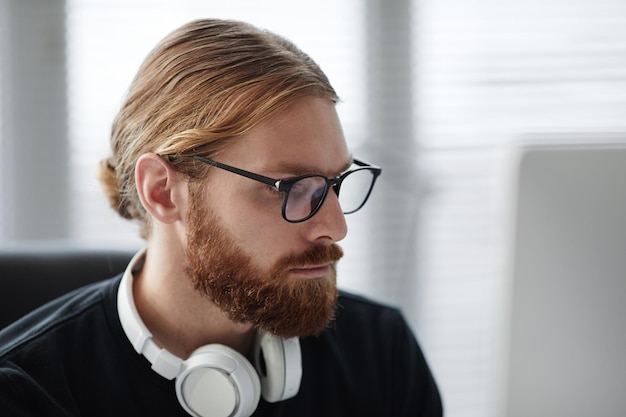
[[246, 293]]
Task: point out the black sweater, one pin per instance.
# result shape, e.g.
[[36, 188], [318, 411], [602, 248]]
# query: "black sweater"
[[72, 358]]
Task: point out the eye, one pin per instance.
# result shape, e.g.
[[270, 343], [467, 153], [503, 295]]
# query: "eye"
[[299, 188]]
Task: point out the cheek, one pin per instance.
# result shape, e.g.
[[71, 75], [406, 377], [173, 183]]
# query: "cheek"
[[262, 236], [254, 222]]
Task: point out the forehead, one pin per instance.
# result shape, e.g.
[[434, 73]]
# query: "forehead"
[[305, 138]]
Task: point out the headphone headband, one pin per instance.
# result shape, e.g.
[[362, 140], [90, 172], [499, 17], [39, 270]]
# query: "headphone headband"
[[163, 362]]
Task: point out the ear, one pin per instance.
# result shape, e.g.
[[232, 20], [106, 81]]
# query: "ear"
[[162, 190]]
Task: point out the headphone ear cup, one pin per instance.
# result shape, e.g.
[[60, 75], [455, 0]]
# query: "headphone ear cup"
[[217, 381], [279, 364]]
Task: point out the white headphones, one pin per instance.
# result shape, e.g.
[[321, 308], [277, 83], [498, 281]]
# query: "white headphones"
[[216, 381]]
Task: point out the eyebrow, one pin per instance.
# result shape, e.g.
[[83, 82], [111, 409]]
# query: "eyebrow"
[[300, 169]]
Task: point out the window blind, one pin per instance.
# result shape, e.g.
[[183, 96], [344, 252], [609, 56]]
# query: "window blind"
[[488, 73]]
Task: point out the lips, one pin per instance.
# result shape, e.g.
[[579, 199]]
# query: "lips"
[[317, 262], [313, 271]]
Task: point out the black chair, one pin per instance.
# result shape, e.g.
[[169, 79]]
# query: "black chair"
[[33, 274]]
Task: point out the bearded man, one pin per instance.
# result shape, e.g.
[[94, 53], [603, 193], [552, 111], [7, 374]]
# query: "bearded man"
[[229, 152]]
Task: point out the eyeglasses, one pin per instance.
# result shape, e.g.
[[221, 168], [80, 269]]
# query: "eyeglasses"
[[304, 195]]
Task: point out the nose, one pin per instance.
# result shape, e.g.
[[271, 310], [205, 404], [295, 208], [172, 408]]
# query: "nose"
[[329, 223]]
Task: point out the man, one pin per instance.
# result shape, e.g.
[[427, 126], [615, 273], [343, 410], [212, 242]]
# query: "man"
[[229, 151]]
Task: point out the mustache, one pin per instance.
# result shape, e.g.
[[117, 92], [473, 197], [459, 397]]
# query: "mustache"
[[315, 255]]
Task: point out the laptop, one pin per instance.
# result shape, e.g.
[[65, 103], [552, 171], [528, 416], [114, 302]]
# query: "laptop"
[[566, 353]]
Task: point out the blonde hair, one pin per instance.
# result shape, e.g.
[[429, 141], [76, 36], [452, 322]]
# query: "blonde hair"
[[206, 82]]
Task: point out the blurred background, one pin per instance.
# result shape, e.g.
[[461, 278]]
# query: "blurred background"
[[445, 95]]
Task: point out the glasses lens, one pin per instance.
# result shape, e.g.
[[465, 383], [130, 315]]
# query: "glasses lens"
[[304, 197], [355, 189]]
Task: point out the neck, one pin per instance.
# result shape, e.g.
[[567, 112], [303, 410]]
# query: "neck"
[[180, 318]]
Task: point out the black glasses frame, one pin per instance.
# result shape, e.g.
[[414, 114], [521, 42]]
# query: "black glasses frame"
[[284, 185]]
